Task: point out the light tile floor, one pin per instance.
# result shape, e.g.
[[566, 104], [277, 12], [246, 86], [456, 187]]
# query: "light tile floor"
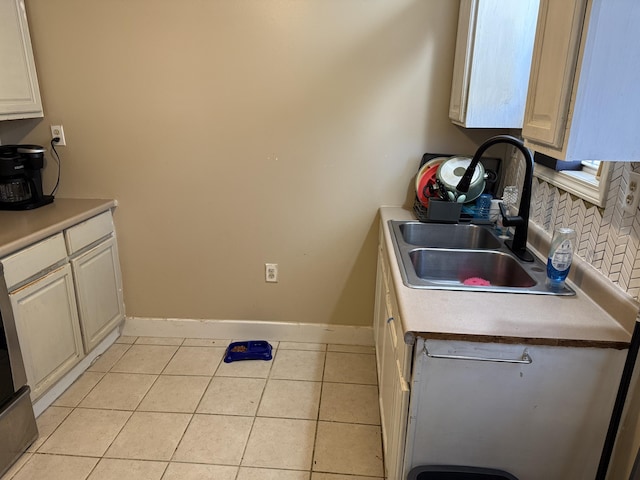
[[171, 409]]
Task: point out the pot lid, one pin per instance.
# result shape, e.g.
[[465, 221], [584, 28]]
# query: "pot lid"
[[452, 170]]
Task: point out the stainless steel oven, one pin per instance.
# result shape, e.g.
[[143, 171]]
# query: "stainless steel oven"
[[17, 421]]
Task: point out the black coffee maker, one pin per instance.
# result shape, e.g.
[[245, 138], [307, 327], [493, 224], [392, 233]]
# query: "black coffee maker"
[[21, 177]]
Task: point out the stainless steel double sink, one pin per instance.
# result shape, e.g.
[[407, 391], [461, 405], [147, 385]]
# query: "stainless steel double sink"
[[464, 257]]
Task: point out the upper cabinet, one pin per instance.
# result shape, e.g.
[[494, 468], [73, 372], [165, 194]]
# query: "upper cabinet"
[[492, 62], [19, 92], [583, 98]]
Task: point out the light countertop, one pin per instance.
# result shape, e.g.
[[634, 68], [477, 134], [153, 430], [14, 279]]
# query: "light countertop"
[[19, 229], [500, 317]]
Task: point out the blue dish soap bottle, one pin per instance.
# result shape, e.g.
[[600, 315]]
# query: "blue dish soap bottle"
[[560, 257]]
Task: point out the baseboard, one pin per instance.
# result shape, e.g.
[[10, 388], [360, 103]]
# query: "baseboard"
[[248, 330]]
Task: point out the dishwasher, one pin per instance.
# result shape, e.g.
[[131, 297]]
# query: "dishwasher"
[[534, 411]]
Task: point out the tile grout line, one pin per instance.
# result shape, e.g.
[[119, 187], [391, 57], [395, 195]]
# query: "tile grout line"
[[274, 356], [315, 437], [195, 410], [269, 377]]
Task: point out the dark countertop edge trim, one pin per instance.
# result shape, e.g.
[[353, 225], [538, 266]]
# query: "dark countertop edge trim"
[[550, 342]]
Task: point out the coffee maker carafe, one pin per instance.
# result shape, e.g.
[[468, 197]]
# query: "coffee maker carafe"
[[21, 177]]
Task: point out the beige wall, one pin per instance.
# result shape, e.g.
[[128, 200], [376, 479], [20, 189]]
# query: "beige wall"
[[239, 132]]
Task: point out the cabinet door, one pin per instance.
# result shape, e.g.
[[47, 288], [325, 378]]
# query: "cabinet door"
[[555, 56], [379, 314], [394, 461], [47, 323], [492, 62], [462, 62], [386, 386], [99, 289], [19, 92], [394, 405]]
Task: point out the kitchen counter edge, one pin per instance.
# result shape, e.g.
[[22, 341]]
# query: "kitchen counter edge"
[[19, 229]]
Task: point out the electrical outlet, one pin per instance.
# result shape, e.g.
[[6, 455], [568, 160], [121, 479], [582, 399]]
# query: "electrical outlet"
[[58, 131], [271, 272], [631, 197]]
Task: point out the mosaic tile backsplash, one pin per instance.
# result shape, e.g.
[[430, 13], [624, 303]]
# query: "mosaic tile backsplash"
[[608, 238]]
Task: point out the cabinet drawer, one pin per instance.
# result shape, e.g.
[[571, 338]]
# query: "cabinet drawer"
[[29, 261], [85, 233]]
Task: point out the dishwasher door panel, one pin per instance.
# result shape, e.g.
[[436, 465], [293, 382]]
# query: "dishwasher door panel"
[[533, 411]]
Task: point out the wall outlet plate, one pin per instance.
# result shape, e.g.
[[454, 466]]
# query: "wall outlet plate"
[[631, 197], [271, 272], [57, 131]]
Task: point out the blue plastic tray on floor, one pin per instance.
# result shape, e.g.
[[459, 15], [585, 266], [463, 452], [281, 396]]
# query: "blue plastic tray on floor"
[[251, 350]]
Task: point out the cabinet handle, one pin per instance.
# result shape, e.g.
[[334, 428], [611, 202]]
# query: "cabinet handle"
[[525, 358], [390, 319]]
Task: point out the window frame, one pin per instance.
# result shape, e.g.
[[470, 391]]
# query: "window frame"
[[577, 182]]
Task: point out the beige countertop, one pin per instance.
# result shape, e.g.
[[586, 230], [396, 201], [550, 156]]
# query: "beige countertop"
[[22, 228], [500, 317]]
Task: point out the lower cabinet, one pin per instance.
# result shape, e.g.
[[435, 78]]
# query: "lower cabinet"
[[393, 358], [535, 411], [66, 295], [45, 313]]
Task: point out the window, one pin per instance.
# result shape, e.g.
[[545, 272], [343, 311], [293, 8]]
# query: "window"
[[589, 181]]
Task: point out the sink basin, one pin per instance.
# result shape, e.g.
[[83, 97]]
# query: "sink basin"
[[442, 256], [455, 266], [440, 235]]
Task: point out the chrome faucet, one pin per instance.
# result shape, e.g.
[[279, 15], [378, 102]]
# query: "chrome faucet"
[[521, 221]]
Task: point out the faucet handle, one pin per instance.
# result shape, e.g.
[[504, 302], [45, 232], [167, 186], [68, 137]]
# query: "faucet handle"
[[509, 220]]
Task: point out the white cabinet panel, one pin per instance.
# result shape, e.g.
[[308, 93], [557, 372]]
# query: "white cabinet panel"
[[387, 387], [19, 92], [47, 324], [394, 401], [394, 405], [65, 298], [32, 260], [583, 97], [379, 316], [492, 62], [86, 233], [553, 70], [99, 290], [393, 357]]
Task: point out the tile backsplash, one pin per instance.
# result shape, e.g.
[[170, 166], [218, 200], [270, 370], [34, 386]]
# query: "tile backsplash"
[[608, 238]]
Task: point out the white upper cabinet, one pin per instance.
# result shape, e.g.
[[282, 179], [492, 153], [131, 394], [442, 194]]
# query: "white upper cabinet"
[[492, 62], [19, 92], [584, 94]]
